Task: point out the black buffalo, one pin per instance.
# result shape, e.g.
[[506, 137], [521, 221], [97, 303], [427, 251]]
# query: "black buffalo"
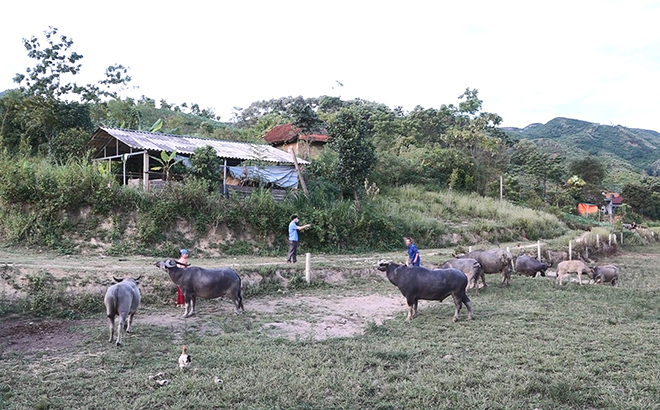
[[197, 282], [528, 266], [416, 282]]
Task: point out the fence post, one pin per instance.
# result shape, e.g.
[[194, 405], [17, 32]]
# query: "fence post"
[[469, 248], [621, 238], [586, 251], [570, 250], [308, 267], [538, 248], [597, 241], [501, 187], [609, 239]]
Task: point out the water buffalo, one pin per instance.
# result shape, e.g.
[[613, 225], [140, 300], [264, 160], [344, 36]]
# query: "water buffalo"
[[573, 266], [204, 283], [493, 261], [416, 282], [554, 257], [528, 266], [605, 274], [123, 299], [470, 267]]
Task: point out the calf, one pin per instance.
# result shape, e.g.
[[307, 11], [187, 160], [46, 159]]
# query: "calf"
[[573, 266], [123, 299], [416, 282], [470, 267], [528, 266], [606, 274], [204, 283]]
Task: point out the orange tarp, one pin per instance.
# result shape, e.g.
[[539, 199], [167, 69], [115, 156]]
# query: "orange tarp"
[[590, 209]]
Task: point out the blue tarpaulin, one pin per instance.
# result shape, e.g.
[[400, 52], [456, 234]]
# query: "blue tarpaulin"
[[281, 176]]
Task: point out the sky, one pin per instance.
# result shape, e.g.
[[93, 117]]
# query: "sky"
[[531, 61]]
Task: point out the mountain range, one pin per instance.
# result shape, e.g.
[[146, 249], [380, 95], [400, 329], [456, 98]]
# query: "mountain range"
[[627, 152]]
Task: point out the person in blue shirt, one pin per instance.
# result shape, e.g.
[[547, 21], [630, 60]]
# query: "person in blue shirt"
[[293, 238], [413, 253]]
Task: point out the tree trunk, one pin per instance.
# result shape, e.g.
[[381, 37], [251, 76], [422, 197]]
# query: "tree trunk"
[[357, 201]]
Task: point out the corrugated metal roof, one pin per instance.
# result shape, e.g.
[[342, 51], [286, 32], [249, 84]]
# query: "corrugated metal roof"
[[152, 141]]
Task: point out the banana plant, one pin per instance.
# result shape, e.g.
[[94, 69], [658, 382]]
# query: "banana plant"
[[166, 162]]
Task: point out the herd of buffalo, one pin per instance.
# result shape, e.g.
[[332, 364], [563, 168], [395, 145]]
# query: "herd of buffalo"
[[416, 283]]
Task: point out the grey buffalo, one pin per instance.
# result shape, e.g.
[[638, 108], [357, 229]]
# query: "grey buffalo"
[[573, 266], [197, 282], [493, 261], [122, 299], [416, 282], [528, 266], [606, 274], [470, 267]]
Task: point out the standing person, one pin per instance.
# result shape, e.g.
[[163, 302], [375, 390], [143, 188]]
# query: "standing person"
[[413, 253], [181, 263], [293, 238]]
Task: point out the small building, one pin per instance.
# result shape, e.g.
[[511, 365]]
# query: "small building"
[[131, 151], [288, 136], [612, 200]]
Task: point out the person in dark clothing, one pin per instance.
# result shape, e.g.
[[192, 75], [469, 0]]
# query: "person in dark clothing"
[[293, 238], [413, 253]]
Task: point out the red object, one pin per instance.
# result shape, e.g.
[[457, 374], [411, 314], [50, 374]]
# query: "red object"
[[587, 209], [180, 300], [281, 134]]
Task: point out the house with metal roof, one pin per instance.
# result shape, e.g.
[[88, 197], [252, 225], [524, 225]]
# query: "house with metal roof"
[[132, 150], [287, 137]]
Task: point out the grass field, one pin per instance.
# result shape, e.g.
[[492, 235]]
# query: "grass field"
[[532, 345]]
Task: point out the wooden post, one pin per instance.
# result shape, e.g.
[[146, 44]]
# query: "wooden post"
[[614, 237], [570, 250], [124, 158], [538, 248], [621, 238], [508, 250], [586, 251], [145, 170], [609, 239], [501, 187], [308, 267], [224, 178], [470, 248], [300, 177], [597, 241]]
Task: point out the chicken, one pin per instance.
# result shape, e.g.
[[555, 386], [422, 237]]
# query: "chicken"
[[184, 359]]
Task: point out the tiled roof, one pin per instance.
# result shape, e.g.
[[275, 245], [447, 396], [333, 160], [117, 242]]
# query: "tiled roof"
[[281, 134]]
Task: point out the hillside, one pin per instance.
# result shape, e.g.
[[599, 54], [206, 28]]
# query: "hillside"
[[625, 148]]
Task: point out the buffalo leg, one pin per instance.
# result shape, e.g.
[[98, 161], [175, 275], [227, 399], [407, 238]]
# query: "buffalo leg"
[[415, 310], [120, 327], [193, 301], [111, 324], [130, 323], [186, 305], [457, 306], [468, 305], [411, 306]]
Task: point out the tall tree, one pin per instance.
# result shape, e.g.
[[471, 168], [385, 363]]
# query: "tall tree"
[[356, 157], [590, 169], [47, 91]]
